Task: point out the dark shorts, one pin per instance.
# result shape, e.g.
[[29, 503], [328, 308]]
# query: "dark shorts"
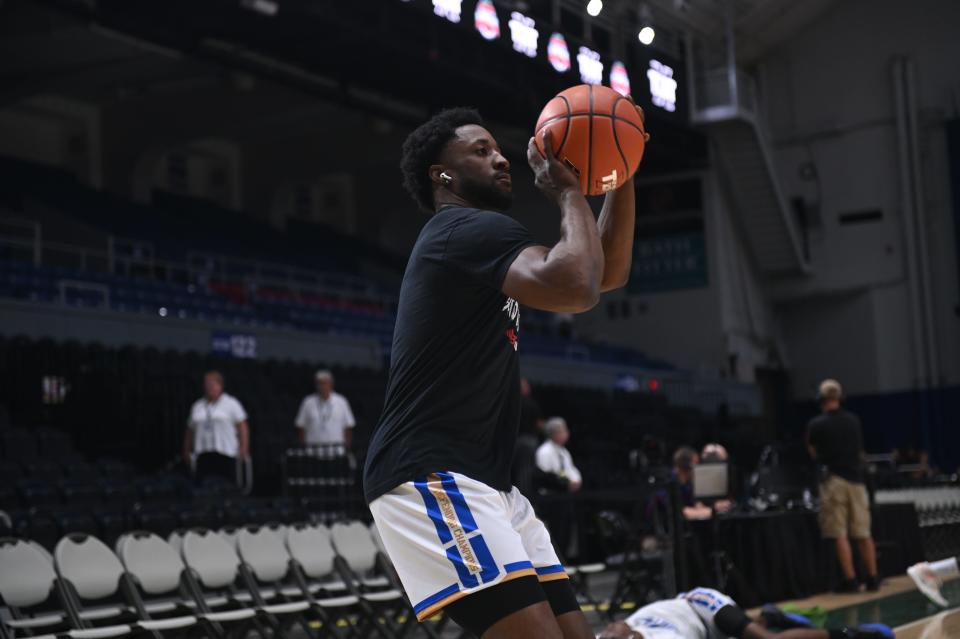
[[481, 610]]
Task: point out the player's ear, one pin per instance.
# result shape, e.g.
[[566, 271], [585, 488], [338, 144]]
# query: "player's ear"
[[435, 171]]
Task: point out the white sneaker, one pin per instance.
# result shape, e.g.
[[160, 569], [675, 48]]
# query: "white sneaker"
[[927, 582]]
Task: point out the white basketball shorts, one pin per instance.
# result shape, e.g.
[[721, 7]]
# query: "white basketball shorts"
[[449, 536], [689, 616]]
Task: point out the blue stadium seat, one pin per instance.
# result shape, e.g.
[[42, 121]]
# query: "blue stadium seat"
[[43, 470], [80, 493], [36, 494], [198, 517], [10, 472], [78, 469], [115, 469], [158, 520], [38, 525], [118, 493], [75, 521], [111, 523], [9, 499], [19, 444], [55, 443]]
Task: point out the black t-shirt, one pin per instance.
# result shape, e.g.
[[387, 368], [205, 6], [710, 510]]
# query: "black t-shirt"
[[453, 397], [838, 439]]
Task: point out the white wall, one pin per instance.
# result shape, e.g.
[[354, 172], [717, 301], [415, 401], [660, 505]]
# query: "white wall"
[[700, 328], [829, 100]]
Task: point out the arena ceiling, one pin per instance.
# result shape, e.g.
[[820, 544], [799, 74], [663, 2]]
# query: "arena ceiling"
[[371, 57]]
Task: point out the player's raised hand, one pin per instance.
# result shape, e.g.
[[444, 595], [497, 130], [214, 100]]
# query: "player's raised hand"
[[551, 176]]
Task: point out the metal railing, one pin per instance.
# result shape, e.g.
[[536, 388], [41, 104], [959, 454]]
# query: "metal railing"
[[23, 241], [65, 286]]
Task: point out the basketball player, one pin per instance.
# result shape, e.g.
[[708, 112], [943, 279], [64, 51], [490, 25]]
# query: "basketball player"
[[929, 577], [707, 614], [437, 474]]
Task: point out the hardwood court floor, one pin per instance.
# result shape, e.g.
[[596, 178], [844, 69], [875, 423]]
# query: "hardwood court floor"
[[899, 605]]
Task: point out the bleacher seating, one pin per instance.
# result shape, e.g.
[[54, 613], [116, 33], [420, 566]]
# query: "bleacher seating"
[[47, 497], [177, 264]]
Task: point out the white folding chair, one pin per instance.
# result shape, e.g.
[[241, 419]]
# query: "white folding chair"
[[265, 567], [310, 546], [355, 546], [28, 586], [175, 539], [356, 562], [313, 566], [229, 534], [94, 574], [165, 585], [216, 565]]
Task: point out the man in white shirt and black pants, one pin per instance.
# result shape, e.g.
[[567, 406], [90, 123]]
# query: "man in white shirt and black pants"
[[553, 458], [325, 418], [217, 432]]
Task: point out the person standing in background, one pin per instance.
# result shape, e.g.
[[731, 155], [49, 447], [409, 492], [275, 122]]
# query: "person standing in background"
[[325, 417], [553, 456], [217, 433], [835, 440], [556, 463]]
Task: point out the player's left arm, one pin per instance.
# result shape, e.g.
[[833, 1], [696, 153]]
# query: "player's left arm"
[[616, 226]]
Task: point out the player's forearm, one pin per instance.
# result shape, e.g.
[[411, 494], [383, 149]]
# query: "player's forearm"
[[616, 228], [576, 261]]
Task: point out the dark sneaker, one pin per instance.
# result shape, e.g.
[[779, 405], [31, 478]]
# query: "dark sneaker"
[[873, 584], [780, 620], [848, 586]]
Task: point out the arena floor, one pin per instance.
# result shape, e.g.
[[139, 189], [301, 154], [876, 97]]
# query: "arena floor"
[[897, 604]]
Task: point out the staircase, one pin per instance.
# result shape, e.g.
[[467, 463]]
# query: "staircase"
[[725, 107]]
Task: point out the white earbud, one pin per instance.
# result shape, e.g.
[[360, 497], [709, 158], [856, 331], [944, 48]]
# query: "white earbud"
[[446, 179]]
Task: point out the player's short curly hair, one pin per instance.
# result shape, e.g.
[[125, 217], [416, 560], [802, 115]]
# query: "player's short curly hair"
[[423, 146]]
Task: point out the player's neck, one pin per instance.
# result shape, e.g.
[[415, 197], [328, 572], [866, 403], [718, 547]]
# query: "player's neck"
[[447, 199]]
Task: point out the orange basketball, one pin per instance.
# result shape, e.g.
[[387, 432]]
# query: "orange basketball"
[[596, 132]]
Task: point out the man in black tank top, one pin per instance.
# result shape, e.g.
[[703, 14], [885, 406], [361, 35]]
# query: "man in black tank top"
[[437, 475]]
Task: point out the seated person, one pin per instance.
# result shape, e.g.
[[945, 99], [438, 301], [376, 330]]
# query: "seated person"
[[707, 614], [714, 453], [684, 459]]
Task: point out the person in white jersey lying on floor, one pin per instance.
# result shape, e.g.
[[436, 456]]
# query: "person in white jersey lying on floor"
[[930, 575], [703, 613]]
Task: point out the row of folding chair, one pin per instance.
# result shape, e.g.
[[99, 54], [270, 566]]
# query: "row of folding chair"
[[73, 593], [328, 582]]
